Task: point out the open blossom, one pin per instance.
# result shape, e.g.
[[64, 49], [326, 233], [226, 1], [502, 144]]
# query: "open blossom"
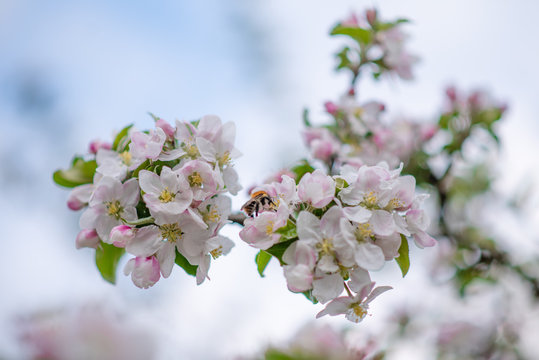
[[260, 231], [144, 271], [203, 180], [147, 146], [316, 188], [114, 164], [322, 143], [167, 193], [111, 203], [213, 248]]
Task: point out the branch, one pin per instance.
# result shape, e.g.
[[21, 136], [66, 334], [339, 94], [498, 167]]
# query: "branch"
[[237, 218]]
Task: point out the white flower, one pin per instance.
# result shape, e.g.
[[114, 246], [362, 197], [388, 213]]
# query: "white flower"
[[144, 271], [168, 193], [204, 181], [147, 146], [316, 188], [111, 203]]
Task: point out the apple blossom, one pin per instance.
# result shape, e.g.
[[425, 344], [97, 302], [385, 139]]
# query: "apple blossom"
[[144, 271], [317, 189]]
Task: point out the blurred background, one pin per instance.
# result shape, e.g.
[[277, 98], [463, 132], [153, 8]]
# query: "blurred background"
[[72, 72]]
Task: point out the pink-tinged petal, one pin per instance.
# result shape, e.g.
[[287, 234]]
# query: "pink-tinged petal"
[[120, 235], [305, 254], [316, 188], [89, 217], [357, 214], [376, 292], [231, 180], [130, 193], [359, 278], [146, 242], [104, 225], [87, 238], [400, 225], [382, 223], [331, 220], [422, 240], [327, 287], [351, 195], [308, 227], [208, 127], [166, 127], [144, 271], [228, 135], [184, 131], [336, 307], [166, 256], [80, 196], [404, 191], [298, 277], [369, 256], [327, 264], [129, 213], [171, 155], [202, 269], [150, 182], [390, 245], [206, 149]]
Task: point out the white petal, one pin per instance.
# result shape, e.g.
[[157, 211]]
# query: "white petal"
[[166, 256], [358, 279], [206, 149], [336, 307], [146, 242], [327, 287], [357, 213], [369, 256], [150, 182], [308, 227], [382, 223], [376, 292]]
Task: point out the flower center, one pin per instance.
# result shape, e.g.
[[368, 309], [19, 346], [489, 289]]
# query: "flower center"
[[114, 209], [171, 232], [195, 180], [126, 157], [269, 228], [394, 203], [191, 150], [225, 159], [363, 232], [358, 311], [370, 199], [166, 196], [211, 216], [325, 246], [215, 253]]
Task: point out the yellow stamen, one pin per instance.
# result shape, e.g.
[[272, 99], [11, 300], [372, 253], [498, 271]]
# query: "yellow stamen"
[[326, 246], [394, 204], [215, 253], [269, 228], [126, 157], [195, 179], [363, 232], [114, 209], [370, 199], [191, 150], [211, 216], [166, 196], [225, 159], [171, 232], [359, 311]]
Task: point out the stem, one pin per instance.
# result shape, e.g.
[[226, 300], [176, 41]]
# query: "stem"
[[142, 221], [238, 218], [347, 289]]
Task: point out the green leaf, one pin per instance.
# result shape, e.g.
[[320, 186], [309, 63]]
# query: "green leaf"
[[362, 36], [344, 61], [275, 354], [278, 249], [306, 117], [81, 172], [309, 295], [106, 258], [262, 259], [301, 169], [404, 256], [288, 231], [182, 262], [120, 136]]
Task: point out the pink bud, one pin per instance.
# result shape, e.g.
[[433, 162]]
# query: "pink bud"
[[120, 235], [451, 93], [98, 144], [371, 14], [87, 238], [144, 271], [167, 128], [351, 21], [331, 108]]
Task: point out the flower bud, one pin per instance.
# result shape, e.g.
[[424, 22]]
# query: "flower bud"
[[87, 238], [144, 271], [120, 235], [98, 144]]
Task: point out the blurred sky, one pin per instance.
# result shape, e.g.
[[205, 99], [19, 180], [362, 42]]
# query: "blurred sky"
[[74, 71]]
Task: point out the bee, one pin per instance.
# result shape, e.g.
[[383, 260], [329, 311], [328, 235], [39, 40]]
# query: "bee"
[[259, 201]]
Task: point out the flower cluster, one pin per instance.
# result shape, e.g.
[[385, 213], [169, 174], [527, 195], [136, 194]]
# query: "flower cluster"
[[160, 195], [337, 228]]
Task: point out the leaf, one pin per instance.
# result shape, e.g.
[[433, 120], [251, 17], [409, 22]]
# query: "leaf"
[[288, 231], [182, 262], [275, 354], [106, 258], [262, 259], [362, 36], [306, 117], [309, 295], [81, 172], [278, 249], [404, 256], [301, 169], [120, 136], [344, 61]]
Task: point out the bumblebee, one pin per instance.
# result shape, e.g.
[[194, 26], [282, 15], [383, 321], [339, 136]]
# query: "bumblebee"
[[259, 201]]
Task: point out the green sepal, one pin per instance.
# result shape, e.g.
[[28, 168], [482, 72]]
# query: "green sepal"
[[360, 35], [344, 61], [262, 260], [120, 136], [301, 169], [81, 172], [403, 260], [306, 120], [309, 295], [182, 262], [106, 258], [278, 249]]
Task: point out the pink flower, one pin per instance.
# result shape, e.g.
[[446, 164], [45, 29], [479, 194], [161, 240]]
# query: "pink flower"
[[316, 188], [147, 146], [259, 232], [299, 271], [80, 196], [87, 238], [98, 144], [322, 143], [204, 181], [331, 108], [144, 271], [120, 235], [166, 127]]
